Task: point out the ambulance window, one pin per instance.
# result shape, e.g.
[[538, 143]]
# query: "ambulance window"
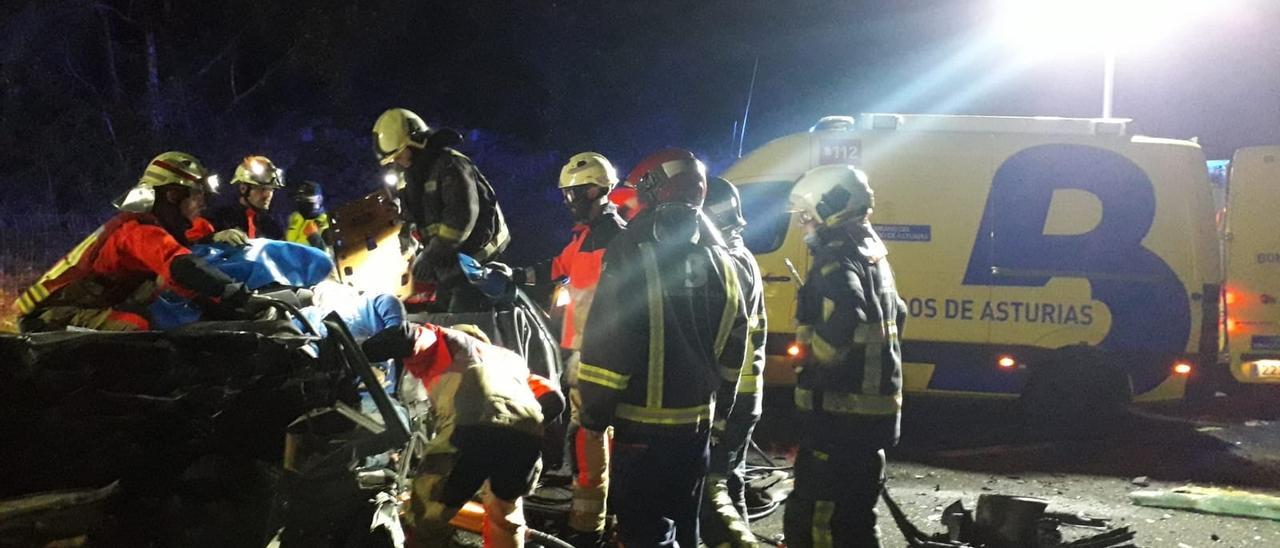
[[765, 207]]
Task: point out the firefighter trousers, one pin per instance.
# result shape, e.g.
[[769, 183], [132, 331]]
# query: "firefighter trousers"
[[590, 464], [724, 519], [657, 489], [503, 462], [835, 496]]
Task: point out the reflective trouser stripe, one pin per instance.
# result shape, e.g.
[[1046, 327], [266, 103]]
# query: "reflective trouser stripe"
[[822, 512], [847, 403], [728, 522], [730, 303], [657, 334], [749, 383], [660, 416]]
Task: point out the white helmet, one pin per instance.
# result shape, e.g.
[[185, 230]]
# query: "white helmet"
[[588, 168], [835, 195], [396, 130]]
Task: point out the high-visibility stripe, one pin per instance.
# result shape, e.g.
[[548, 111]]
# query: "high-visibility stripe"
[[747, 384], [823, 351], [37, 293], [830, 267], [176, 170], [822, 512], [668, 416], [602, 377], [873, 366], [847, 403], [444, 232], [828, 308], [730, 374], [657, 333], [730, 302]]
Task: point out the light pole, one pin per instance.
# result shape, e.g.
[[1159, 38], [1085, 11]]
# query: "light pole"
[[1041, 29], [1108, 81]]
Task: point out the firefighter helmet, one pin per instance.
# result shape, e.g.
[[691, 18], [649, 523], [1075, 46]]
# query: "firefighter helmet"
[[169, 168], [258, 171], [724, 205], [395, 130], [178, 168], [588, 168], [835, 195], [670, 176]]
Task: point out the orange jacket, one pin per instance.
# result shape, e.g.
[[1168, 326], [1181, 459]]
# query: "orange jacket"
[[580, 261], [122, 254]]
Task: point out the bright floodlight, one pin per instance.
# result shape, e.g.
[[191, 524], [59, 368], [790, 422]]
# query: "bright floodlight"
[[213, 182], [391, 179], [1094, 26]]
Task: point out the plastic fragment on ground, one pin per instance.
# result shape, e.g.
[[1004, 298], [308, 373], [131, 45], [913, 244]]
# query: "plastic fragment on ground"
[[1212, 500]]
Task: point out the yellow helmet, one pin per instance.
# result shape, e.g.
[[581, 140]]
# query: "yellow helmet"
[[258, 171], [169, 168], [177, 168], [588, 168], [834, 195], [395, 130]]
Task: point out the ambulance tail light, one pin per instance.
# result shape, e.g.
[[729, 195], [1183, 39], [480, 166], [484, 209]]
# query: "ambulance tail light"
[[794, 349], [1182, 368], [1006, 362]]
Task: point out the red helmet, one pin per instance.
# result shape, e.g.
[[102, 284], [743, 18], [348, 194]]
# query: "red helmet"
[[670, 176]]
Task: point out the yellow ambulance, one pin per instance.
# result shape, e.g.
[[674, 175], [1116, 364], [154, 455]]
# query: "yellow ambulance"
[[1251, 250], [1065, 258]]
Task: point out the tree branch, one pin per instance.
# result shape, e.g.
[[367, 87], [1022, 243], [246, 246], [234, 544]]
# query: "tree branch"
[[261, 81]]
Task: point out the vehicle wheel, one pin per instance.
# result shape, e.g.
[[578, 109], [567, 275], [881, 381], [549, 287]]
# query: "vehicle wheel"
[[1078, 387]]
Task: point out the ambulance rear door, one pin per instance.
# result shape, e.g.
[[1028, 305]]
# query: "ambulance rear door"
[[1252, 251]]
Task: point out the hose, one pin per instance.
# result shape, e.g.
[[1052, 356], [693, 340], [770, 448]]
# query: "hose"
[[545, 538]]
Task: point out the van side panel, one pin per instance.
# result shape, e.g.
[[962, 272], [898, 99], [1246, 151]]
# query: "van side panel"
[[1011, 245]]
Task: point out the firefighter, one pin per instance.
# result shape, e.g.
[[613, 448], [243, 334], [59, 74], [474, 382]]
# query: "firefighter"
[[488, 411], [585, 181], [724, 521], [450, 203], [661, 361], [109, 280], [256, 181], [309, 222], [849, 387]]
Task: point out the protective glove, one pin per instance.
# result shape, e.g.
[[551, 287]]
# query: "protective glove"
[[233, 236]]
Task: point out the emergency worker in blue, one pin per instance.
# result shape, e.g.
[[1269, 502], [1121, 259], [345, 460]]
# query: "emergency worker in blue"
[[849, 386]]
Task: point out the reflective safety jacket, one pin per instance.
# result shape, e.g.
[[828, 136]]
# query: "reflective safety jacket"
[[850, 319], [468, 382], [751, 381], [114, 261], [257, 224], [666, 338], [450, 201], [580, 261], [306, 231]]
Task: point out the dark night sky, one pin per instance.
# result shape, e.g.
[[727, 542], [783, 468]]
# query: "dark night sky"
[[533, 82]]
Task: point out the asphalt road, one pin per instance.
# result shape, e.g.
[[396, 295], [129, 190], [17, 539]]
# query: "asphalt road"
[[957, 450]]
